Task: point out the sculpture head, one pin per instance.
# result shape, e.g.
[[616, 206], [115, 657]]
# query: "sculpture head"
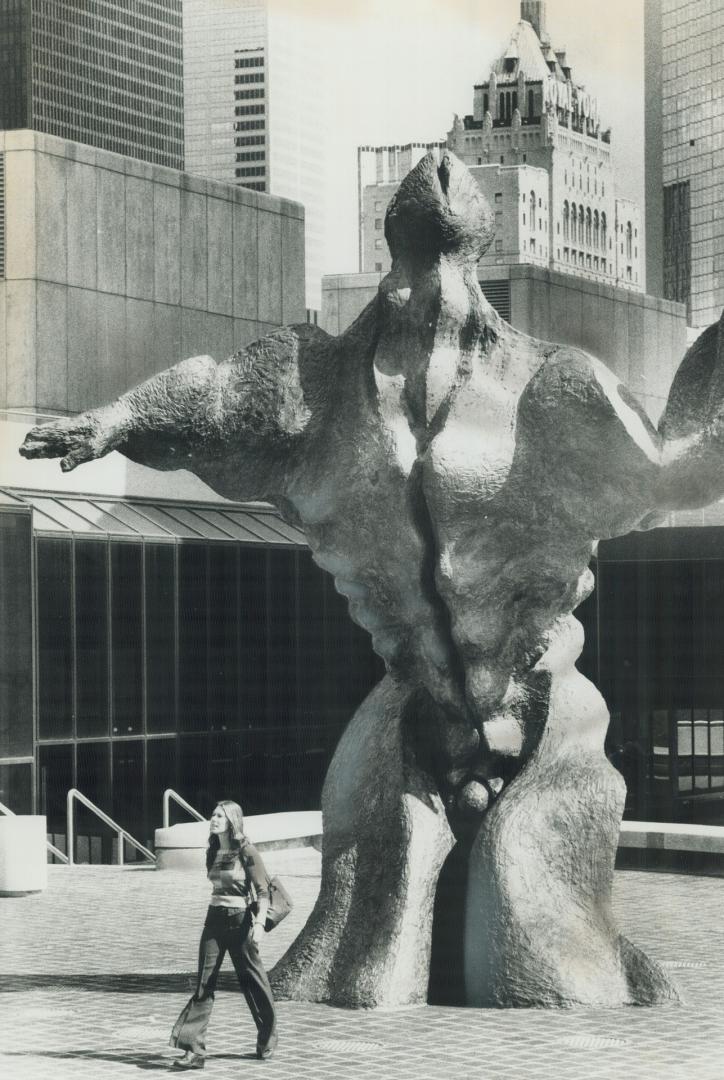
[[438, 210]]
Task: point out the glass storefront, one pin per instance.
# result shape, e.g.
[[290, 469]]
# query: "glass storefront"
[[218, 669]]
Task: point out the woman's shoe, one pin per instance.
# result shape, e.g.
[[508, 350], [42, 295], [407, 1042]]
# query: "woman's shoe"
[[189, 1061], [264, 1050]]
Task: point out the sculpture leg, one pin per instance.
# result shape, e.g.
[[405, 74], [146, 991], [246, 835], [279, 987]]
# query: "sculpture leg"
[[386, 836], [539, 926]]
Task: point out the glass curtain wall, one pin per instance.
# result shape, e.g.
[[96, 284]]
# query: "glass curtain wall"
[[220, 670]]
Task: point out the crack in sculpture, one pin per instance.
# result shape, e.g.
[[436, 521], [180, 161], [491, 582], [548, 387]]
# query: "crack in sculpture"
[[453, 475]]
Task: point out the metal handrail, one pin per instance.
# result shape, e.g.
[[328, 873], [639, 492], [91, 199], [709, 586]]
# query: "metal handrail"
[[169, 794], [51, 847], [74, 794]]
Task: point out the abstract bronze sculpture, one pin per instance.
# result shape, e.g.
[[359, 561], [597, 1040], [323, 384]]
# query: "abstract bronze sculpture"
[[453, 475]]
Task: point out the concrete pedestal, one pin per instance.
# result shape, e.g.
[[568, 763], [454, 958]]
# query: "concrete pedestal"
[[23, 855]]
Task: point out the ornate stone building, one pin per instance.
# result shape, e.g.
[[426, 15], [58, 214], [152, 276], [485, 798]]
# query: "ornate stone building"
[[536, 146]]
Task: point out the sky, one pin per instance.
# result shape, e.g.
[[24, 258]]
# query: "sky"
[[398, 70]]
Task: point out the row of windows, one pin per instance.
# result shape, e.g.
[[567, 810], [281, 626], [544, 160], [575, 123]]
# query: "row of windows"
[[588, 183], [260, 171], [250, 140], [580, 258], [250, 110], [255, 77], [252, 155], [254, 185], [249, 125], [584, 227], [255, 92], [248, 61]]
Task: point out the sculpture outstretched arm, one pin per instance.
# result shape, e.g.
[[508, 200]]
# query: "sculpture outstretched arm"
[[155, 423], [234, 424], [692, 427]]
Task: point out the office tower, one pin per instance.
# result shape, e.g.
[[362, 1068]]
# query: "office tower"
[[535, 144], [685, 155], [107, 73], [254, 103]]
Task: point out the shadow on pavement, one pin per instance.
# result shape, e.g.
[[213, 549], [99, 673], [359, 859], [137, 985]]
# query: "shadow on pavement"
[[132, 983], [125, 1057]]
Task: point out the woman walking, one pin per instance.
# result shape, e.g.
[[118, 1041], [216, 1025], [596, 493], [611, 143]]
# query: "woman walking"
[[234, 924]]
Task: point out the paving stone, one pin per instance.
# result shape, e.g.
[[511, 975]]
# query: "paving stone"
[[94, 971]]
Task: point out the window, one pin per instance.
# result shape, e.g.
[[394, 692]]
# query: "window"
[[378, 267], [629, 239], [378, 245], [498, 196], [91, 627], [498, 245], [378, 223]]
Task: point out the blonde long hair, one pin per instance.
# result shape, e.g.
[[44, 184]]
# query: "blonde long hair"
[[235, 816]]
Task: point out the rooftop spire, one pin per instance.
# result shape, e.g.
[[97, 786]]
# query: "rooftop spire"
[[534, 12]]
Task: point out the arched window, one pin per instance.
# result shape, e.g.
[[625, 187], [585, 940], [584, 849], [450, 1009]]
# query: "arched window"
[[532, 211], [574, 219], [629, 239], [581, 226], [603, 230], [531, 103], [501, 111], [486, 103], [566, 220], [589, 237], [515, 100], [596, 231]]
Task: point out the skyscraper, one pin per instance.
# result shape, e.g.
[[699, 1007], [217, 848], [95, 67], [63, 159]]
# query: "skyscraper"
[[253, 107], [685, 155], [535, 144], [107, 73]]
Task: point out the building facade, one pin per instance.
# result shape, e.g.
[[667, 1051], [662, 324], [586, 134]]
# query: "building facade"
[[535, 133], [685, 155], [152, 634], [105, 73], [253, 111]]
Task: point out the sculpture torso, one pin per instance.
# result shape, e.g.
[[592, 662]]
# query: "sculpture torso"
[[421, 504]]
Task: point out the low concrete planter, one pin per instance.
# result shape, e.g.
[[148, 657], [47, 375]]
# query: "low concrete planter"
[[23, 854], [182, 847]]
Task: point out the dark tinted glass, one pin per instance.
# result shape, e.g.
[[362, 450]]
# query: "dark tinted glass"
[[126, 638], [91, 621], [160, 638], [55, 651], [193, 629], [16, 610]]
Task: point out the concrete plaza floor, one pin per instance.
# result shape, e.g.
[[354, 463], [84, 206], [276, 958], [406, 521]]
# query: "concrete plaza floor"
[[94, 971]]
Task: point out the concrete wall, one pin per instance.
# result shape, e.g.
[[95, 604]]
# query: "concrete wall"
[[116, 269], [641, 338]]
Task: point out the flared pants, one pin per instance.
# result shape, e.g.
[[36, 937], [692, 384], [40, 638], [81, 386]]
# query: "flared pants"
[[226, 930]]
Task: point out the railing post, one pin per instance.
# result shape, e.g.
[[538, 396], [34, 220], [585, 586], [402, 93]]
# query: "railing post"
[[69, 827], [166, 807], [120, 848]]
